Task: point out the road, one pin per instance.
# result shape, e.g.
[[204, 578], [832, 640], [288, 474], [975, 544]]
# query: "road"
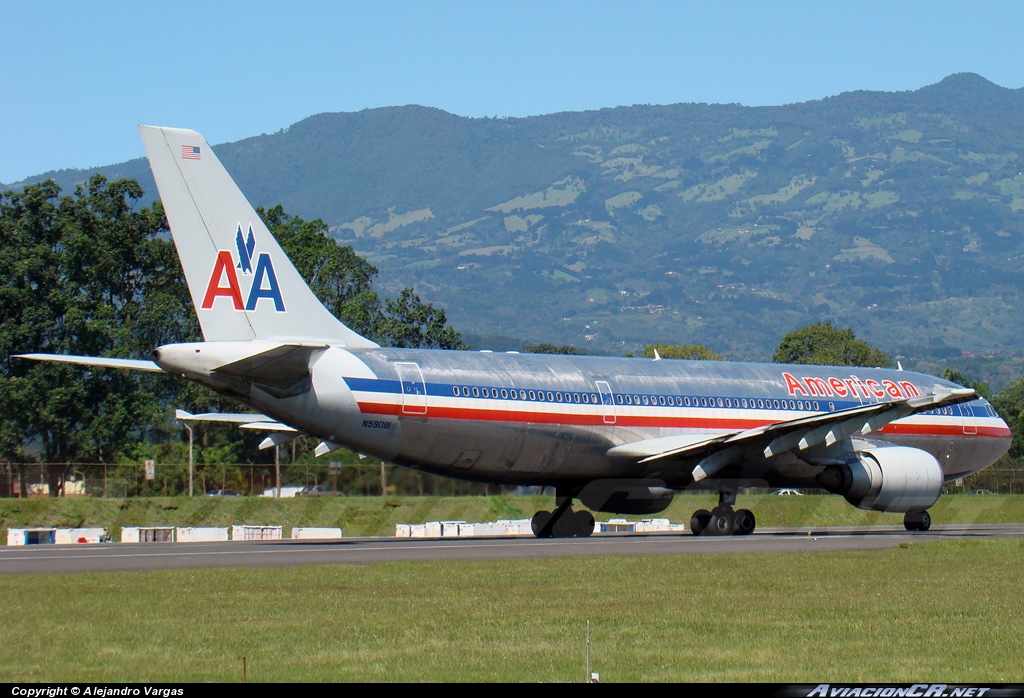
[[122, 557]]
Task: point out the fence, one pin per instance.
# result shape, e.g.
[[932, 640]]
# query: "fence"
[[104, 480]]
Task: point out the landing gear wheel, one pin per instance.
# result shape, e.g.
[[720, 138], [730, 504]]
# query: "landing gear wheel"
[[699, 521], [917, 521], [583, 523], [723, 522], [538, 522], [745, 523], [565, 525]]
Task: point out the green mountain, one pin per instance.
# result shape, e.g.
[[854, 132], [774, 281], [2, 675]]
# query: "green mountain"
[[900, 215]]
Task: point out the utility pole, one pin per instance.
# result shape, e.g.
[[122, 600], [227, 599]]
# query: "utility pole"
[[191, 464]]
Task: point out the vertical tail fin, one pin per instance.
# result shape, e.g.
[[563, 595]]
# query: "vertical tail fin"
[[242, 284]]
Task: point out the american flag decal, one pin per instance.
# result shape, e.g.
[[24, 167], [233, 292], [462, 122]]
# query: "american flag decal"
[[190, 152]]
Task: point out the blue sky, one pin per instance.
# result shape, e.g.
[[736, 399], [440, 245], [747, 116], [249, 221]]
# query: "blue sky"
[[79, 76]]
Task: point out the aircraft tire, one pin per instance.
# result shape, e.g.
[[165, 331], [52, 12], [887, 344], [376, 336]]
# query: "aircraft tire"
[[584, 524], [538, 522], [565, 525], [699, 521], [745, 522], [917, 521], [723, 522]]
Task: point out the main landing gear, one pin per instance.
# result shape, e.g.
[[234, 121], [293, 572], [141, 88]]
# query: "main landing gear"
[[723, 520], [563, 522], [917, 521]]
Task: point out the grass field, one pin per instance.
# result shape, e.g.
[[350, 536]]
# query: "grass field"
[[943, 612]]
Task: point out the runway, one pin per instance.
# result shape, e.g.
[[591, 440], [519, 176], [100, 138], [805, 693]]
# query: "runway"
[[125, 557]]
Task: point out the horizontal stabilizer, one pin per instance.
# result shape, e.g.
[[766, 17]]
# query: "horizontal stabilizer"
[[100, 362]]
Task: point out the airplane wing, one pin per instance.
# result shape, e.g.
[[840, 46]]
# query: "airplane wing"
[[280, 433], [130, 364], [829, 428], [245, 420]]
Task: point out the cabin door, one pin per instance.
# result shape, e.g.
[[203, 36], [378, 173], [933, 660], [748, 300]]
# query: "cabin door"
[[607, 401], [414, 390]]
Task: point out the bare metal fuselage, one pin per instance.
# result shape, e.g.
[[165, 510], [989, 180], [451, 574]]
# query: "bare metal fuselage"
[[551, 420]]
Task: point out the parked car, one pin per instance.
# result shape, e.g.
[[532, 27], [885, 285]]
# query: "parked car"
[[321, 490], [787, 491], [981, 490], [222, 493]]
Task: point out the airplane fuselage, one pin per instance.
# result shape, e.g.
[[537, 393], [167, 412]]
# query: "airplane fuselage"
[[548, 420]]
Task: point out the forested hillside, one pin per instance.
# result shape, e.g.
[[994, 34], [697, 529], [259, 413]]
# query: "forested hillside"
[[900, 215]]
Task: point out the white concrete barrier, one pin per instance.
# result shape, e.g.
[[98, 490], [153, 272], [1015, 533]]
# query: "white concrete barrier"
[[147, 534], [69, 536], [188, 534], [256, 532], [31, 536]]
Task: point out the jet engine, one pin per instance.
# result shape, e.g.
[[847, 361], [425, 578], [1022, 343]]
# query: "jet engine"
[[635, 497], [886, 478]]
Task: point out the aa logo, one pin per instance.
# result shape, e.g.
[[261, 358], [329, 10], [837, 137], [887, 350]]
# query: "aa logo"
[[224, 280]]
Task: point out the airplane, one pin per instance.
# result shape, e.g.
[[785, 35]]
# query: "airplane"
[[620, 435]]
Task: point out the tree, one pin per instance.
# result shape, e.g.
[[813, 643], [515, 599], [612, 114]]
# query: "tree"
[[821, 343], [341, 279], [1009, 403], [409, 322], [92, 274], [85, 274], [544, 348], [682, 351], [960, 379]]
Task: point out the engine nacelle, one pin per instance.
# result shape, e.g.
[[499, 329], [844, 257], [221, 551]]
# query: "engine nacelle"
[[635, 497], [887, 478]]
